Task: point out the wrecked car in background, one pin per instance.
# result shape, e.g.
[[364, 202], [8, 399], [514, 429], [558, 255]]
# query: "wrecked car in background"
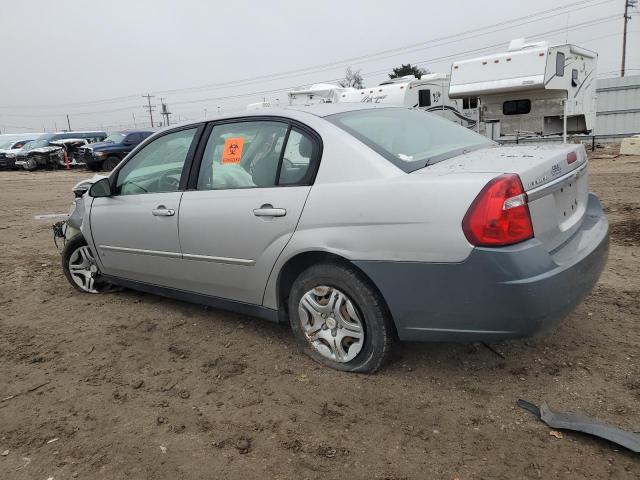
[[10, 146], [43, 152]]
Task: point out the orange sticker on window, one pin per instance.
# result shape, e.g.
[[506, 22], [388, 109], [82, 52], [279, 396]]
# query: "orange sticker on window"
[[232, 152]]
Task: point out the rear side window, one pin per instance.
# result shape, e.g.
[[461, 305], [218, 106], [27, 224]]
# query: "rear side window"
[[560, 64], [242, 155], [516, 107], [424, 98]]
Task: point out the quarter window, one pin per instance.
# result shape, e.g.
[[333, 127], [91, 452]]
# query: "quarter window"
[[516, 107], [158, 166], [560, 64], [424, 98], [297, 158]]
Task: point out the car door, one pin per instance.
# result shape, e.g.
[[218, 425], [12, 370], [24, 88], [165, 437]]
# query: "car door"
[[248, 193], [135, 231]]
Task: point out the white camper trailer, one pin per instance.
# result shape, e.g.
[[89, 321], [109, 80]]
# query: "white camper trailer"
[[531, 89], [317, 93], [430, 93]]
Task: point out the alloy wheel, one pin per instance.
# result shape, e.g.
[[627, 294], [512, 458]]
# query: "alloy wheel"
[[84, 270]]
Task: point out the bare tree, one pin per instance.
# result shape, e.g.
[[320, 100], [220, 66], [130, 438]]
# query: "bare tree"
[[352, 79]]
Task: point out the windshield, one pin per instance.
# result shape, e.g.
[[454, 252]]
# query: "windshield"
[[38, 142], [408, 138], [115, 138], [6, 144]]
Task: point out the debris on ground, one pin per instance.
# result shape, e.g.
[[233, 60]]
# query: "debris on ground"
[[579, 423]]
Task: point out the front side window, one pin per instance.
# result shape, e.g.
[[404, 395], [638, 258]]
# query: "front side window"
[[242, 155], [158, 166], [424, 98], [408, 138], [560, 64], [516, 107]]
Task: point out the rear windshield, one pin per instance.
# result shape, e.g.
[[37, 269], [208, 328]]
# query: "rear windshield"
[[408, 138]]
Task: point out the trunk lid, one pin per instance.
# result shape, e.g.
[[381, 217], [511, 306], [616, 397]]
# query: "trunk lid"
[[556, 185]]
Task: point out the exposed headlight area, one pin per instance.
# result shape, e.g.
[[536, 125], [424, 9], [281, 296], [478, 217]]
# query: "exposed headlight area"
[[99, 154]]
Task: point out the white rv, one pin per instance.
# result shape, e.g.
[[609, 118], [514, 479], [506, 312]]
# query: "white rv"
[[530, 88], [317, 93], [429, 93]]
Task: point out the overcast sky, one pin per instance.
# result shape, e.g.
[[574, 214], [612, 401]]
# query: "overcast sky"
[[93, 59]]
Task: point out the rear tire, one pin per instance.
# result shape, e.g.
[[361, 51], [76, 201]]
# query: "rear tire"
[[339, 319], [110, 163]]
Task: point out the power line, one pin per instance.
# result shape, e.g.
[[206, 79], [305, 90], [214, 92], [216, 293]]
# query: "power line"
[[358, 59], [589, 23]]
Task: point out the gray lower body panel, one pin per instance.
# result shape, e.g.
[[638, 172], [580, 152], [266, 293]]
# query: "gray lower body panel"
[[506, 292]]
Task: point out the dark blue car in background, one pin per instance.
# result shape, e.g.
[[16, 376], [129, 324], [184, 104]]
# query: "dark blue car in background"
[[107, 154]]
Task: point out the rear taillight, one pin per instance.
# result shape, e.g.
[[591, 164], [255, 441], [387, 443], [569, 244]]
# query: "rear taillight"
[[499, 215]]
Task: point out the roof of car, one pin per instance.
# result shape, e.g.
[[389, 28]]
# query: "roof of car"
[[326, 109], [318, 110]]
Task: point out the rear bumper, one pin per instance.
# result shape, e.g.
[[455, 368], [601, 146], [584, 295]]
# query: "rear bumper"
[[506, 292]]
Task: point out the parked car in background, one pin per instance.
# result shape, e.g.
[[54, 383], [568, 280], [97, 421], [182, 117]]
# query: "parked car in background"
[[356, 223], [10, 146], [42, 153], [107, 154]]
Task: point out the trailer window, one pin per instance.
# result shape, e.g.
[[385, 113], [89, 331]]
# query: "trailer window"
[[560, 64], [469, 102], [574, 77], [424, 98], [516, 107]]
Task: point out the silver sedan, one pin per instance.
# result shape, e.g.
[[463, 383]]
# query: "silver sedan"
[[360, 225]]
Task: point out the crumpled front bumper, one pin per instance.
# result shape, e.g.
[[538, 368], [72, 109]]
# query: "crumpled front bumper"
[[506, 292]]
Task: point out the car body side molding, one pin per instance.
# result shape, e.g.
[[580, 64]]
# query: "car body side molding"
[[211, 301]]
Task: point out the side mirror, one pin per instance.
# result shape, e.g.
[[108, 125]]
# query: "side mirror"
[[102, 188]]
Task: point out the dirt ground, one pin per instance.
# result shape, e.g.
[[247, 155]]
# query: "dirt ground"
[[129, 385]]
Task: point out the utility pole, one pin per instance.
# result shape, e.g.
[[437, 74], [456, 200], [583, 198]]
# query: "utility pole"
[[68, 122], [134, 120], [150, 107], [165, 111], [627, 17]]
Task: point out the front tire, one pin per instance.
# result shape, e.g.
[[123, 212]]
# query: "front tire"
[[31, 165], [110, 163], [80, 267], [339, 319], [94, 167]]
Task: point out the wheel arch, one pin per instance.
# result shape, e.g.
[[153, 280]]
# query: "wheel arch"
[[298, 263]]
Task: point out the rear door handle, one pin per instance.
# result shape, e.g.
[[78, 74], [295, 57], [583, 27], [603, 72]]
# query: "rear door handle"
[[162, 211], [267, 210]]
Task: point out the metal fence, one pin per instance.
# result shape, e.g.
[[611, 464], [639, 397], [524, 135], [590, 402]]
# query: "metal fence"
[[618, 106]]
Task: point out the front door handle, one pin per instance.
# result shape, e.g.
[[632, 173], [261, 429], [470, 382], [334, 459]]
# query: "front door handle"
[[267, 210], [162, 211]]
